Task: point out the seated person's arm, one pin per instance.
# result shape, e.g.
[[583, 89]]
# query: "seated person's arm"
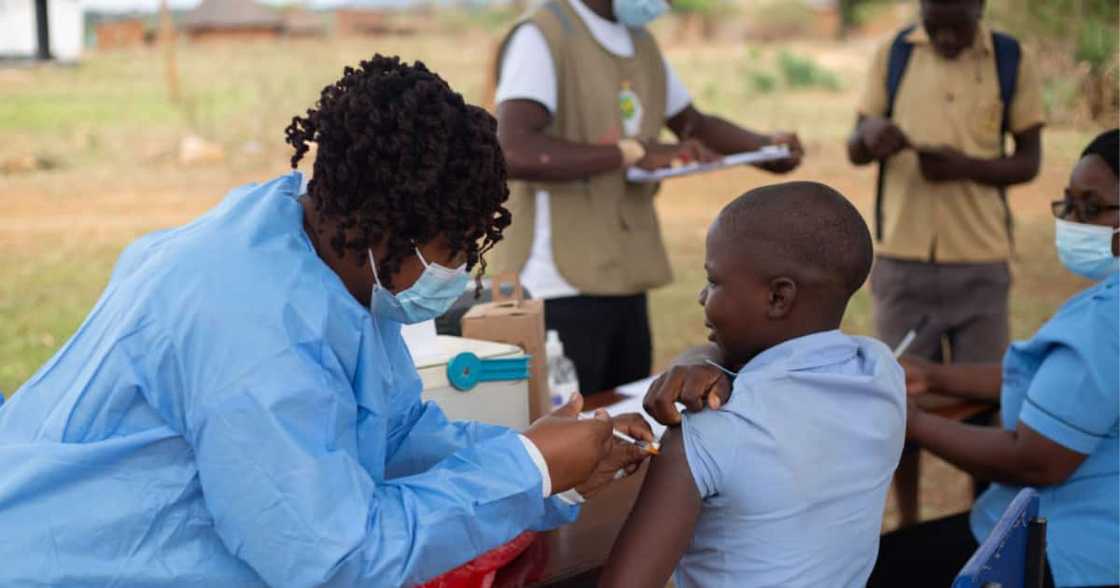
[[970, 381], [660, 525], [1064, 417], [1022, 457], [726, 138]]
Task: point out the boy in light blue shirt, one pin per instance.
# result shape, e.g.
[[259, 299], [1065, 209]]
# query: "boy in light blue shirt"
[[785, 484]]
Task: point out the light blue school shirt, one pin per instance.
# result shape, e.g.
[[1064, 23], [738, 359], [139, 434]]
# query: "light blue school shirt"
[[229, 415], [1065, 384], [794, 469]]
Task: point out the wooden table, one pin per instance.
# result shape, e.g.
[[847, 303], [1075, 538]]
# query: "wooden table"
[[573, 556]]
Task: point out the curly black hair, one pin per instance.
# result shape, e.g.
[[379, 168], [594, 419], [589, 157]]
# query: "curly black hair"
[[401, 157]]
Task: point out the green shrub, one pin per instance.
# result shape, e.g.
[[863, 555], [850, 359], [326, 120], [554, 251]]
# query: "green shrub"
[[1096, 45], [760, 82], [699, 6], [779, 19], [803, 72]]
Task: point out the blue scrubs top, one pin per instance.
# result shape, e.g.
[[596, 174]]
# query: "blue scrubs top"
[[1065, 384], [229, 415]]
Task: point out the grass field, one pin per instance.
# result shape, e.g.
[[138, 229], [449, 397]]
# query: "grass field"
[[112, 135]]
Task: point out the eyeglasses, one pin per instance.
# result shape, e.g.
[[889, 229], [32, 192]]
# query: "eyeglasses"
[[1083, 210]]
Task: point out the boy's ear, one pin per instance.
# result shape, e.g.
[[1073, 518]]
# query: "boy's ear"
[[783, 293]]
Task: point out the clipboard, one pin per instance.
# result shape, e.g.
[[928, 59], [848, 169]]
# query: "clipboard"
[[769, 153]]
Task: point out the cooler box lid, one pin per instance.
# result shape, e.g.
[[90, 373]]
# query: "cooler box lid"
[[433, 364]]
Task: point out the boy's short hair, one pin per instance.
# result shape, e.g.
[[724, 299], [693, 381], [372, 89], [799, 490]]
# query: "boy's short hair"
[[808, 230]]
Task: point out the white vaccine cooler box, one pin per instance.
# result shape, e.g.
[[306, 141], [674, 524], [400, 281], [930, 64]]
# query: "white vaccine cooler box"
[[502, 402]]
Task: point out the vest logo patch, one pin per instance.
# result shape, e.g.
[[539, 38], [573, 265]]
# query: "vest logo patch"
[[630, 108]]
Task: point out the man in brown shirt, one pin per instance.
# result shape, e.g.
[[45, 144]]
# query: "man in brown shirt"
[[933, 115]]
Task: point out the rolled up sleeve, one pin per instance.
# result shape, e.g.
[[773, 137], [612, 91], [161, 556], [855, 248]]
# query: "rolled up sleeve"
[[706, 436]]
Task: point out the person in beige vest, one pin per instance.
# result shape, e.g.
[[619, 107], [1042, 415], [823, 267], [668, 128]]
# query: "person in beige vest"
[[583, 94]]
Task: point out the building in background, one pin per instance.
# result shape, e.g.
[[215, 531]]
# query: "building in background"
[[124, 33], [357, 22], [231, 20], [41, 29], [300, 22]]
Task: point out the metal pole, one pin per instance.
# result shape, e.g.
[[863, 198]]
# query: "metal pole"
[[43, 31], [1036, 553], [167, 41]]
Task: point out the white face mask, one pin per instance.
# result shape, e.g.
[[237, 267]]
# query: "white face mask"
[[432, 295], [1086, 249]]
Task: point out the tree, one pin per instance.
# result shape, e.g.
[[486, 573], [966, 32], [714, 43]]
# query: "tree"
[[1084, 30], [701, 14]]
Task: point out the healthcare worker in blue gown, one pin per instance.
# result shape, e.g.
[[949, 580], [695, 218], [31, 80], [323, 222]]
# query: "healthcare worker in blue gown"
[[239, 408]]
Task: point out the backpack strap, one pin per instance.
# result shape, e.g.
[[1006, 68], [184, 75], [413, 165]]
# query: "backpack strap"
[[1008, 54], [897, 60]]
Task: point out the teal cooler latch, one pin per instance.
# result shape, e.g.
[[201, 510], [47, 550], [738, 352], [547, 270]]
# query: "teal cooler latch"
[[466, 370]]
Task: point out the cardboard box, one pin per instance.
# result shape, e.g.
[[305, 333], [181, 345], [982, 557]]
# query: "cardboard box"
[[518, 322]]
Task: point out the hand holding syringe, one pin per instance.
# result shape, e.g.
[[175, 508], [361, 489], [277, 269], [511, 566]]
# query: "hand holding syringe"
[[652, 447]]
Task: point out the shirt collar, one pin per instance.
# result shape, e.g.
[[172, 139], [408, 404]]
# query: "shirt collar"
[[983, 39], [809, 351], [591, 17], [300, 181]]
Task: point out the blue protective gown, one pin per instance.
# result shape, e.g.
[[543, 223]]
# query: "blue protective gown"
[[229, 415]]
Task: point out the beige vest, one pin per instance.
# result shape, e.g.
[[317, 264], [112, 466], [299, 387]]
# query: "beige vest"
[[605, 235]]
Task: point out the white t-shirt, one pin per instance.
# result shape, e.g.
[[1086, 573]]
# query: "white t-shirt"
[[528, 73]]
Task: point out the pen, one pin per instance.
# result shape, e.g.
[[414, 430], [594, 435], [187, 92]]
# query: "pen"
[[909, 338]]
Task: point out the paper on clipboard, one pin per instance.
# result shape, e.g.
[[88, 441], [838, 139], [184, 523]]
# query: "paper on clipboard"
[[768, 153]]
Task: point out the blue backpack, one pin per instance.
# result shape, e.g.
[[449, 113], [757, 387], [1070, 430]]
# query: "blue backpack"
[[1008, 54]]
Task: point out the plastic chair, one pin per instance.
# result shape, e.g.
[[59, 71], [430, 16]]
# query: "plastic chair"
[[1014, 554]]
